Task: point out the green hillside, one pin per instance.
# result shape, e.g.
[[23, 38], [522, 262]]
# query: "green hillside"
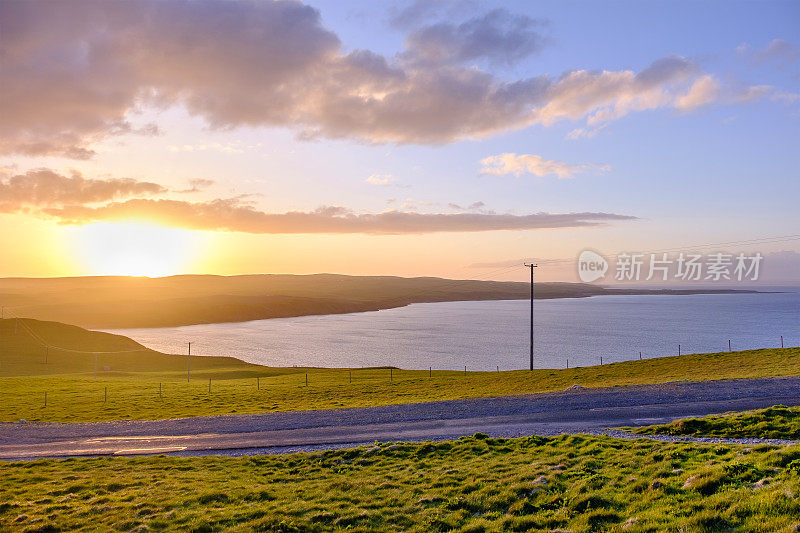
[[33, 348]]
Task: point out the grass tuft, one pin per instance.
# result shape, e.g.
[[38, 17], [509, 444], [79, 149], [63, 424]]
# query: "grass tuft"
[[776, 422]]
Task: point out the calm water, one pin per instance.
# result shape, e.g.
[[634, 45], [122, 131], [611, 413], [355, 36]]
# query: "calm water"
[[483, 335]]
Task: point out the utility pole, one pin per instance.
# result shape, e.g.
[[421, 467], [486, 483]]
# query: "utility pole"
[[531, 266], [188, 362]]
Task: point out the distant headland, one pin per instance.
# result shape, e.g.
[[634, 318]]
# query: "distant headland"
[[138, 302]]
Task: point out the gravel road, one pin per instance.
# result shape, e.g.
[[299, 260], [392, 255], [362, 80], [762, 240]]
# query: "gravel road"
[[571, 411]]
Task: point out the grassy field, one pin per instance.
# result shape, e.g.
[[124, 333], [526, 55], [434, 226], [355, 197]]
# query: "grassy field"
[[777, 422], [127, 384], [574, 483]]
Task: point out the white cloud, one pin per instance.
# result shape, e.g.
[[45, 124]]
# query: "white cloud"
[[786, 97], [225, 148], [380, 179], [510, 163], [585, 133], [703, 91]]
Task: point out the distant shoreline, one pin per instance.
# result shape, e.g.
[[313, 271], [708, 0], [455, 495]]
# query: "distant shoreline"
[[128, 303], [537, 298]]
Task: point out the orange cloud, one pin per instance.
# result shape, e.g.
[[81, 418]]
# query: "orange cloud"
[[78, 200], [44, 188], [233, 215]]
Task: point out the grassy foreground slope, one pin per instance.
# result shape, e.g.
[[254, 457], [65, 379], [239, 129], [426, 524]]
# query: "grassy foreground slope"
[[776, 422], [149, 385], [569, 483]]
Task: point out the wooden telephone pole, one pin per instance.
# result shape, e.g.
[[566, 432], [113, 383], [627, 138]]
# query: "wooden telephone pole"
[[531, 266]]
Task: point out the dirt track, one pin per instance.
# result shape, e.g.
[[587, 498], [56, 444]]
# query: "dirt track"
[[571, 411]]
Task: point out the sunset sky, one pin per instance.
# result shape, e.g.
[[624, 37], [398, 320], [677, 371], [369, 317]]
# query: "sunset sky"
[[419, 138]]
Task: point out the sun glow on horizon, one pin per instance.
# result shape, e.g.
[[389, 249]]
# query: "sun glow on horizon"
[[136, 249]]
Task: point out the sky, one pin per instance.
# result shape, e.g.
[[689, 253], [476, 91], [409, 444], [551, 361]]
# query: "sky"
[[438, 138]]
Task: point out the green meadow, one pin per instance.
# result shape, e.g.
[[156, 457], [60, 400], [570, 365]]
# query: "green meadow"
[[569, 483], [474, 484], [776, 422], [134, 383]]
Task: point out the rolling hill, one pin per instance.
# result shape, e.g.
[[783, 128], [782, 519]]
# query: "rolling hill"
[[134, 302]]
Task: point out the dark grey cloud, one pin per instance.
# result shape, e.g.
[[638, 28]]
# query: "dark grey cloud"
[[474, 206], [499, 37], [197, 185], [410, 15], [44, 188], [666, 70], [778, 50], [414, 13]]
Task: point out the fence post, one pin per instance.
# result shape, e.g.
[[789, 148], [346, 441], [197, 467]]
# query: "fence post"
[[209, 385], [258, 383], [45, 398], [729, 345], [306, 379], [391, 377], [465, 370], [159, 390], [781, 341], [679, 349], [349, 376], [430, 371], [105, 394], [567, 363], [640, 356], [601, 360]]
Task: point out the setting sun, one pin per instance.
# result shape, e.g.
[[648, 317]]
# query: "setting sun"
[[136, 249]]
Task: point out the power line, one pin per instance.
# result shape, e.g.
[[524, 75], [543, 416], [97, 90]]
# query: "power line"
[[46, 344], [762, 240]]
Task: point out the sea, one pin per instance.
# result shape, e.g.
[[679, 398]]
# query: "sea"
[[492, 335]]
